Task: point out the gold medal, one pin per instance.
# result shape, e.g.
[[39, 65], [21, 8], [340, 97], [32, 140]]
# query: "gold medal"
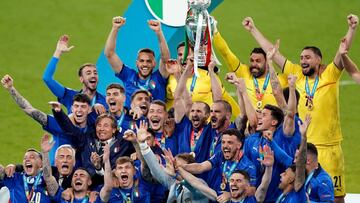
[[128, 200], [192, 154], [309, 104], [223, 186], [259, 104]]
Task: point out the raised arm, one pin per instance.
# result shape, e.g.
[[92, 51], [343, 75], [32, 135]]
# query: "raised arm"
[[155, 25], [130, 136], [274, 80], [289, 120], [279, 154], [156, 170], [249, 110], [264, 43], [110, 53], [215, 83], [268, 162], [108, 177], [37, 115], [198, 168], [349, 65], [51, 184], [55, 87], [197, 184], [66, 125], [231, 60], [300, 174], [353, 22], [182, 95]]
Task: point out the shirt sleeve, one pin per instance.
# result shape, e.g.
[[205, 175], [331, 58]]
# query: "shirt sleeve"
[[156, 170], [251, 169], [331, 73], [291, 68], [56, 88], [215, 160], [126, 73], [52, 126], [231, 60], [326, 191]]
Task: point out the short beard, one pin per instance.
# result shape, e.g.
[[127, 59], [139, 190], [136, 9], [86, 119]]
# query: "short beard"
[[310, 72], [221, 122], [259, 73]]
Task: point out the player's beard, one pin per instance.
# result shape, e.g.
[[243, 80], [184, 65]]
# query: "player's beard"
[[259, 73], [310, 72], [222, 122]]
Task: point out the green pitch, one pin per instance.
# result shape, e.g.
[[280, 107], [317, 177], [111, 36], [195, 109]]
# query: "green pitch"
[[29, 31]]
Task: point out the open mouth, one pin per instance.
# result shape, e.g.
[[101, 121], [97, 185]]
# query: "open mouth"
[[226, 150], [79, 114], [28, 166], [213, 120], [155, 120], [143, 107], [124, 178], [65, 166], [112, 103], [78, 183], [234, 189], [92, 81], [305, 65]]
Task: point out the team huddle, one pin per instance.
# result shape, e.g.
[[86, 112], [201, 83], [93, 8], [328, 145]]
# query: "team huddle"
[[167, 135]]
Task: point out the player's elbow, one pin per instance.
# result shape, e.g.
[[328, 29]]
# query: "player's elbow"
[[109, 53]]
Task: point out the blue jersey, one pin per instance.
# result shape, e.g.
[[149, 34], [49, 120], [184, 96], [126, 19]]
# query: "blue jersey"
[[288, 143], [166, 142], [157, 191], [155, 84], [184, 132], [67, 99], [218, 162], [138, 193], [293, 197], [17, 187], [319, 186], [58, 136], [65, 95], [126, 122], [59, 199], [251, 150], [250, 199], [82, 200], [215, 146]]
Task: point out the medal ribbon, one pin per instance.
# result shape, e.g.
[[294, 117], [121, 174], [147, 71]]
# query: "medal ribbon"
[[194, 139], [143, 87], [213, 145], [260, 94], [26, 186], [93, 101], [307, 181], [281, 198], [120, 120], [127, 199], [161, 144], [307, 87], [193, 82], [134, 189], [227, 173]]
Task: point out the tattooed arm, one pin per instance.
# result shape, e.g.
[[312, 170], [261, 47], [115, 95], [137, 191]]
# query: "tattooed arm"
[[36, 114], [51, 184]]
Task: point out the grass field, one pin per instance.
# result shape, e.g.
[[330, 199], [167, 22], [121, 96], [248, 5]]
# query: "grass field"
[[29, 31]]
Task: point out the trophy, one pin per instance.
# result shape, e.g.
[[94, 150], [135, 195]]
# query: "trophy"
[[199, 28]]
